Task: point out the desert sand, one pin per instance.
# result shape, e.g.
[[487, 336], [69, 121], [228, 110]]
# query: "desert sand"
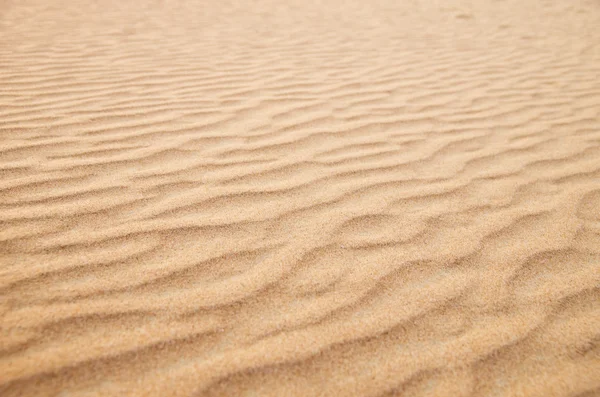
[[300, 198]]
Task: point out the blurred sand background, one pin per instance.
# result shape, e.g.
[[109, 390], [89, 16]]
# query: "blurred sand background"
[[300, 197]]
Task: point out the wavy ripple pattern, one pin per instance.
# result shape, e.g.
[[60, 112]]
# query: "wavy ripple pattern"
[[311, 198]]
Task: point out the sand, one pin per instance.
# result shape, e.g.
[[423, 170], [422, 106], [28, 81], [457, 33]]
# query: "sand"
[[300, 198]]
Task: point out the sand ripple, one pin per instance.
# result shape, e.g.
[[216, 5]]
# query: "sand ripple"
[[300, 198]]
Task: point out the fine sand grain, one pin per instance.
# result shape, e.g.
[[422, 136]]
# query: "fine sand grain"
[[300, 198]]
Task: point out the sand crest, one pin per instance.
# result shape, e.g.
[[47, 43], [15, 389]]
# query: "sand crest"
[[300, 198]]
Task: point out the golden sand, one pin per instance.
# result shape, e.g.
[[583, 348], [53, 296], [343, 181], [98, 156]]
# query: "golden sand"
[[300, 198]]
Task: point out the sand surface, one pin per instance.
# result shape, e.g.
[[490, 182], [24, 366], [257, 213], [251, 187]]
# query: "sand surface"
[[300, 198]]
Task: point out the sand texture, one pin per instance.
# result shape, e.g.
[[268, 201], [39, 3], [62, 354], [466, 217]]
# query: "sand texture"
[[300, 198]]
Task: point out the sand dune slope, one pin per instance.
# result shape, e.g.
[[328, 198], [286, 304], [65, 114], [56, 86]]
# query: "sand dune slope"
[[303, 198]]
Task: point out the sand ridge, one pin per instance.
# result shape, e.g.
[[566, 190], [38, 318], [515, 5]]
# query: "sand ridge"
[[300, 198]]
